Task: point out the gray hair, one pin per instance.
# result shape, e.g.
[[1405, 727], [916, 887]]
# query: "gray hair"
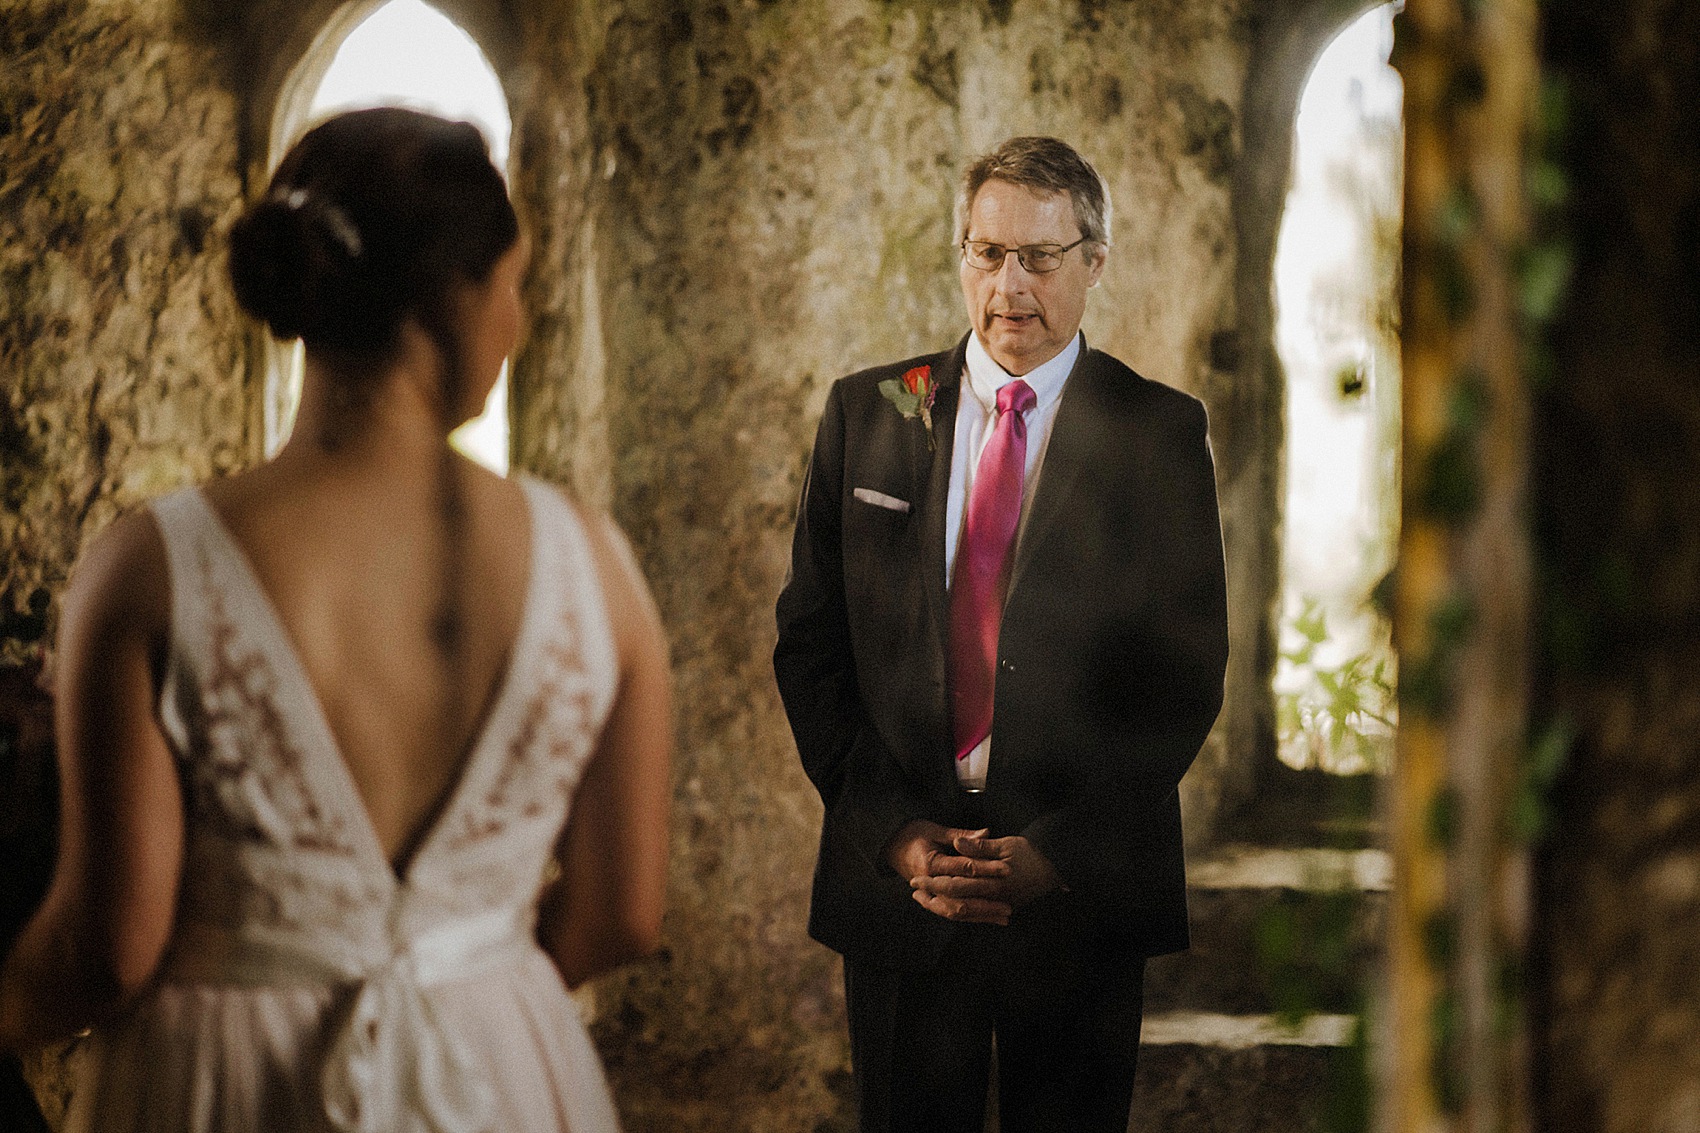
[[1048, 165]]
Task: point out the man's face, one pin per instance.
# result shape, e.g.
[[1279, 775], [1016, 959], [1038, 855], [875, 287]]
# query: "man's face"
[[1022, 318]]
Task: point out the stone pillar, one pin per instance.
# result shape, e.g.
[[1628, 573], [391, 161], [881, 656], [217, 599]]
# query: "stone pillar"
[[560, 398], [122, 362], [1461, 607]]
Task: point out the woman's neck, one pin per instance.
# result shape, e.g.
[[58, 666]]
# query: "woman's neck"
[[390, 420]]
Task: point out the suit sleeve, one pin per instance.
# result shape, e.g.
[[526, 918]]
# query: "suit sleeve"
[[864, 788], [1157, 703]]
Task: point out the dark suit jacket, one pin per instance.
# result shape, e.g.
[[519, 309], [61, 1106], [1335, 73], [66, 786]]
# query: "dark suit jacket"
[[1110, 659]]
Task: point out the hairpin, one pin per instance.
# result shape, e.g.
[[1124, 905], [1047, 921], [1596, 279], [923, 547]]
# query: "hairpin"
[[336, 221]]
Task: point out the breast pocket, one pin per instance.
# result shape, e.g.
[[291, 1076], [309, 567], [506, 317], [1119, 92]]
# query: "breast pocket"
[[882, 500], [880, 550]]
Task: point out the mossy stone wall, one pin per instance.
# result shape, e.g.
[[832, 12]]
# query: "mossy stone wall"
[[122, 360]]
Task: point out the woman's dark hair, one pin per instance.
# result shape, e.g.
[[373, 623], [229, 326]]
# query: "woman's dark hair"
[[373, 217]]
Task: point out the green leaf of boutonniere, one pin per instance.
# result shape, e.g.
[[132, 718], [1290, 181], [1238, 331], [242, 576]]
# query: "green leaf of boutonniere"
[[913, 395]]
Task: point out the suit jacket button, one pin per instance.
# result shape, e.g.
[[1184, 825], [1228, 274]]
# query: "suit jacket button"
[[1007, 665]]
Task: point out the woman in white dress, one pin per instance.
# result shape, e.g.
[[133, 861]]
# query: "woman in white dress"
[[365, 751]]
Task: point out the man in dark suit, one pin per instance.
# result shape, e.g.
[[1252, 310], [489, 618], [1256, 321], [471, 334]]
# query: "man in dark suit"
[[1001, 644]]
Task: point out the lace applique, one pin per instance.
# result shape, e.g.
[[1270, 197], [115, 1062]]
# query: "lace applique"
[[235, 719], [548, 747]]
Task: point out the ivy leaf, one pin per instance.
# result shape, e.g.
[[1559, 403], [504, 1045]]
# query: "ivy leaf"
[[1543, 276], [1312, 622]]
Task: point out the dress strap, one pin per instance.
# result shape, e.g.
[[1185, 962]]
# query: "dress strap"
[[181, 518], [571, 561]]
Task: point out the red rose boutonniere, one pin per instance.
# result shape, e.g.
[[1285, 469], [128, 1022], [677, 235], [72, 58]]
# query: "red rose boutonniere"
[[913, 396]]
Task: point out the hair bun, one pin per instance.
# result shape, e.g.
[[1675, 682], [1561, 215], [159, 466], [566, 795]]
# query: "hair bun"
[[373, 217], [268, 266], [288, 254]]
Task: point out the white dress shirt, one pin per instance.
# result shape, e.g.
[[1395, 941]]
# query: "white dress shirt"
[[976, 415]]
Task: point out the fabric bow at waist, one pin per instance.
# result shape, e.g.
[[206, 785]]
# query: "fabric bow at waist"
[[392, 1066]]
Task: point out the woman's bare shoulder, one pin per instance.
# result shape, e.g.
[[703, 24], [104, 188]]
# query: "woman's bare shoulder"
[[125, 563], [631, 607], [118, 597]]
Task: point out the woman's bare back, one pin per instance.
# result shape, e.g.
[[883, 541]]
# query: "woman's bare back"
[[356, 564]]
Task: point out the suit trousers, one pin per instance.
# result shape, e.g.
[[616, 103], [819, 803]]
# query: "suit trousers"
[[1065, 1029]]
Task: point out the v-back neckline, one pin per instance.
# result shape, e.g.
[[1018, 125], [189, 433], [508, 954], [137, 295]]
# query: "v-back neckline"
[[334, 764]]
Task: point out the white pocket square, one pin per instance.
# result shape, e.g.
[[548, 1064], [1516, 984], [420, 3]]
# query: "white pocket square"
[[880, 499]]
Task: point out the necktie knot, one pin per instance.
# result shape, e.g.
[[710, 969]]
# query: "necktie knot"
[[1017, 395]]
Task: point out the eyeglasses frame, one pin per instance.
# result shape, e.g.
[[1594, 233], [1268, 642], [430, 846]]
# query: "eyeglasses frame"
[[1020, 254]]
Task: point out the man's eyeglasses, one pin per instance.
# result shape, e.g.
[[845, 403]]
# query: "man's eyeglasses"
[[1037, 258]]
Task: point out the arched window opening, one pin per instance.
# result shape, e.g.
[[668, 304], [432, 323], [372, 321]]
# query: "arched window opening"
[[1336, 295], [401, 53]]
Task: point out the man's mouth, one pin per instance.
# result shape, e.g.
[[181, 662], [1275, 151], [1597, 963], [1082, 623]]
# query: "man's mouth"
[[1015, 318]]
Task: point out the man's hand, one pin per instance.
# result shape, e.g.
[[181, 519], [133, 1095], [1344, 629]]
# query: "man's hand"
[[962, 875], [928, 855], [1026, 874]]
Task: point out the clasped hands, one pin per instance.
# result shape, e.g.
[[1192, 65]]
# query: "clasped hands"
[[962, 875]]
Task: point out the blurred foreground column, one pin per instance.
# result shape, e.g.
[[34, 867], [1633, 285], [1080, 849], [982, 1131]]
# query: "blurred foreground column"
[[1453, 1056]]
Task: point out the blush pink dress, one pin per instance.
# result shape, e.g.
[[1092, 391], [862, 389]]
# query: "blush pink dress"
[[307, 986]]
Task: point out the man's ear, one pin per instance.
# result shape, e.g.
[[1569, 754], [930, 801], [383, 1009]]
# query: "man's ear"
[[1096, 258]]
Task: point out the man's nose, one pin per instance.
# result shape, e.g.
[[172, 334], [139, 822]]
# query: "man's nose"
[[1012, 277]]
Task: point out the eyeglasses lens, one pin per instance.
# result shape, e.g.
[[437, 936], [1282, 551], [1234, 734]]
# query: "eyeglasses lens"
[[1033, 257]]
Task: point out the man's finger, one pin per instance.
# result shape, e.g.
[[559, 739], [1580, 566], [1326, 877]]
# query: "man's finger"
[[991, 887], [966, 910], [950, 865], [984, 849]]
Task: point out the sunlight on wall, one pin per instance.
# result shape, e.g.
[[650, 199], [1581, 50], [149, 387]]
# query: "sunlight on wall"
[[1336, 291], [408, 54]]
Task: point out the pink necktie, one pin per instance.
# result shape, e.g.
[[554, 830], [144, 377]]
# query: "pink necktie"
[[981, 574]]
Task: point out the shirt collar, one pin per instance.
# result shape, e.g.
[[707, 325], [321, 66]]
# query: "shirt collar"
[[986, 377]]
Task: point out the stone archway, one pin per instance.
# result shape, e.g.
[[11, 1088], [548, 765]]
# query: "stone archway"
[[395, 51]]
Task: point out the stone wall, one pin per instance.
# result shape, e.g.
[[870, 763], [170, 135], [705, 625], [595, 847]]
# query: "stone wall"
[[122, 361], [732, 204], [1618, 515]]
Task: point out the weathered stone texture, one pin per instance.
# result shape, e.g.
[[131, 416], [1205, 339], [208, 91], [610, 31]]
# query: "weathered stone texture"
[[122, 359], [1618, 511], [1622, 907], [1279, 1089], [121, 362]]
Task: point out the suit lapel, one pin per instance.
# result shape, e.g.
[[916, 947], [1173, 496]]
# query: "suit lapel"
[[935, 501], [930, 475]]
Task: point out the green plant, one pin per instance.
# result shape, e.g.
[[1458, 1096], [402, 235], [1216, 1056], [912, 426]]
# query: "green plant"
[[1337, 716]]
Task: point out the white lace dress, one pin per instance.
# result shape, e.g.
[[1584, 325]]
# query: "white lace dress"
[[307, 986]]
